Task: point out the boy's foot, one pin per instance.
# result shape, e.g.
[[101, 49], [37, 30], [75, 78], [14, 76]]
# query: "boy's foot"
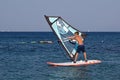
[[86, 60], [74, 61]]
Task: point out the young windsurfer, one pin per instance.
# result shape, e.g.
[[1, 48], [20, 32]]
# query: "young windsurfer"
[[80, 47]]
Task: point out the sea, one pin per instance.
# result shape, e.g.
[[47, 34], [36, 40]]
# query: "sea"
[[23, 57]]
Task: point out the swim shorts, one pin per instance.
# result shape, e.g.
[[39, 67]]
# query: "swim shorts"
[[80, 48]]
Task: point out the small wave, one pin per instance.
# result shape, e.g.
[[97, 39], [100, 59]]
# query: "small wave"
[[115, 62]]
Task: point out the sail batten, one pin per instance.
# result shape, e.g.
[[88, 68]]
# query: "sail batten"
[[63, 30]]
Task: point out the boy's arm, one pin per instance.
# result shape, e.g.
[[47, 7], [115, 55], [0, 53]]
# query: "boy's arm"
[[71, 37]]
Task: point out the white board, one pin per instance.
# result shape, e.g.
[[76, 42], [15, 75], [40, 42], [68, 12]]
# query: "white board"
[[78, 63]]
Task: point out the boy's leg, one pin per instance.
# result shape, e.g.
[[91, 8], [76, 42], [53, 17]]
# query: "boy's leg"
[[85, 56]]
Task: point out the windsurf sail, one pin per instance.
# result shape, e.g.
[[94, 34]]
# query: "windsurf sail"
[[63, 30]]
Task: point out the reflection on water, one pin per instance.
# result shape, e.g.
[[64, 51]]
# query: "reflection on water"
[[71, 73]]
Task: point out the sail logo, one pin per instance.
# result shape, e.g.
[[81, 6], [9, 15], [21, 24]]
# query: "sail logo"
[[61, 27]]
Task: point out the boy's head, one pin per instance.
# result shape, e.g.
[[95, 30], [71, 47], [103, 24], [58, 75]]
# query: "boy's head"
[[76, 33]]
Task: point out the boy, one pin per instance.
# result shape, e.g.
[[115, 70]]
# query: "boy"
[[80, 47]]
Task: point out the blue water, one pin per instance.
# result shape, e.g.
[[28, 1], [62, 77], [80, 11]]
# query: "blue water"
[[21, 59]]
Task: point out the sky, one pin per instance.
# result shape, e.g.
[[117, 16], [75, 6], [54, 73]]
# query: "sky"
[[85, 15]]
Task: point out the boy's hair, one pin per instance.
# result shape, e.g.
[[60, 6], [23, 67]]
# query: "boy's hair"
[[76, 33]]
